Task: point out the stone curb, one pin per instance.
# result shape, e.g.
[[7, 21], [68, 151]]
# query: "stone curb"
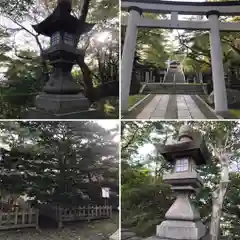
[[137, 107], [208, 107]]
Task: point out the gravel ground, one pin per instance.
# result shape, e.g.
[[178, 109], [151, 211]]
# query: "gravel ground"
[[76, 231]]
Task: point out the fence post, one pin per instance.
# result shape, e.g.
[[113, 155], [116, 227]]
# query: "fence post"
[[23, 217], [37, 218], [108, 211], [60, 223], [88, 213], [30, 213], [16, 216]]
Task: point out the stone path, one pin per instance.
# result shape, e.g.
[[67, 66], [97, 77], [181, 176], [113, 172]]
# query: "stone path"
[[176, 107], [127, 234]]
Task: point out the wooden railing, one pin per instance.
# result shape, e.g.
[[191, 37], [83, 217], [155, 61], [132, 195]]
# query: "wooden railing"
[[83, 213], [19, 219]]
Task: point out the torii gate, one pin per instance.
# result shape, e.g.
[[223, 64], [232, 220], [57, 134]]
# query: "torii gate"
[[211, 9]]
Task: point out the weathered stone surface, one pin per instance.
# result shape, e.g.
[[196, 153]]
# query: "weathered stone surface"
[[186, 230], [62, 103], [128, 235], [97, 237], [183, 209], [35, 113], [115, 236]]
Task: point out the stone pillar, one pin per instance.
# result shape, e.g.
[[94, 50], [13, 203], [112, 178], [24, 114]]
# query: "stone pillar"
[[151, 76], [128, 55], [147, 77], [200, 77], [219, 88]]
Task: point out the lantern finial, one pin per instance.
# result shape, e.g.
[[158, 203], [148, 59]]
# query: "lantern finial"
[[68, 3], [185, 131]]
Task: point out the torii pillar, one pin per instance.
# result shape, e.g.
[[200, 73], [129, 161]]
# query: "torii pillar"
[[220, 94], [128, 55]]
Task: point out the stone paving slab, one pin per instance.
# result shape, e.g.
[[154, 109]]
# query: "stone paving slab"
[[194, 111], [165, 106], [147, 111]]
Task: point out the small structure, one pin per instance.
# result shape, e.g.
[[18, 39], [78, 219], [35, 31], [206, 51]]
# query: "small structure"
[[183, 219], [62, 97], [105, 194], [174, 73]]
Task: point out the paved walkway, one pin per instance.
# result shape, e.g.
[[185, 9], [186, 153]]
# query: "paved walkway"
[[176, 107]]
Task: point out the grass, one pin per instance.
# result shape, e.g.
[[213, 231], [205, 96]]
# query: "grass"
[[133, 99], [110, 106], [235, 112]]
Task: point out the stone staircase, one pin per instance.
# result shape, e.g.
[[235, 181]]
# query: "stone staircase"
[[170, 78], [171, 88]]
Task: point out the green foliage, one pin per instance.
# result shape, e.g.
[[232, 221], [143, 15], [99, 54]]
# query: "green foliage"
[[15, 8], [25, 80], [137, 189], [57, 162]]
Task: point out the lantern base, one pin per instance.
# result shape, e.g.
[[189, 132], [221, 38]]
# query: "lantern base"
[[181, 230], [35, 113], [76, 106], [62, 103]]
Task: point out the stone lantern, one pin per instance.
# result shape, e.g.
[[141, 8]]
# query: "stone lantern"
[[182, 220], [62, 97]]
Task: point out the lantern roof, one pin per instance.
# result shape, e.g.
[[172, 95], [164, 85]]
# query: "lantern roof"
[[62, 20], [195, 148]]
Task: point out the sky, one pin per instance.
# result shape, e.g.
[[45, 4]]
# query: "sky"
[[108, 124]]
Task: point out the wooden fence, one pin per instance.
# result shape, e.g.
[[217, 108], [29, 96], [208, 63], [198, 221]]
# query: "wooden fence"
[[24, 218], [83, 213]]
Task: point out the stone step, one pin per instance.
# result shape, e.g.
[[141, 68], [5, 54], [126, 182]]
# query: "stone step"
[[180, 92], [187, 89], [178, 78]]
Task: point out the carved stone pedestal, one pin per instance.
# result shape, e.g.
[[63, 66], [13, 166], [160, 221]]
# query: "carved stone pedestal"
[[182, 222], [74, 106]]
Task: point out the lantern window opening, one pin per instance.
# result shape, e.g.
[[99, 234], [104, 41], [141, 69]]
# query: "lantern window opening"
[[68, 39], [182, 165], [55, 39]]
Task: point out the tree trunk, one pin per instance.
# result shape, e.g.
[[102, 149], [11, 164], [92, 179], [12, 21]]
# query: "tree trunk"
[[87, 78], [218, 199], [84, 10]]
